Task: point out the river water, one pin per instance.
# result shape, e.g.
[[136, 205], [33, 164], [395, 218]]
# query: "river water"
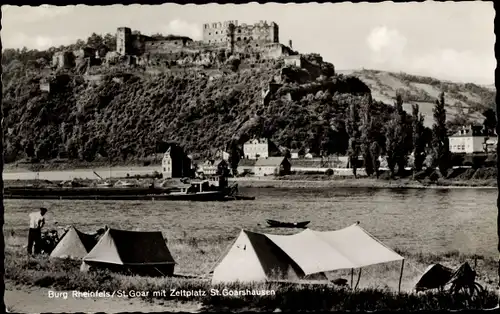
[[419, 220]]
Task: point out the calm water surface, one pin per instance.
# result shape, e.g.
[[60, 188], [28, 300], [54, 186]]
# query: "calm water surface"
[[428, 220]]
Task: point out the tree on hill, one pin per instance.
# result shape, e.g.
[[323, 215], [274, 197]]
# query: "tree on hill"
[[367, 137], [352, 127], [375, 152], [418, 138], [125, 120], [234, 156], [440, 141], [396, 139], [490, 121]]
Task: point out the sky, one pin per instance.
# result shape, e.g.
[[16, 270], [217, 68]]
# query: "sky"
[[446, 40]]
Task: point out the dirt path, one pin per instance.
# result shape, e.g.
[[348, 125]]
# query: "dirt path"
[[24, 299]]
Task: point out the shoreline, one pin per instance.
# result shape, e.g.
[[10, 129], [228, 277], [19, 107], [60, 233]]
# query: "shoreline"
[[20, 174], [351, 183], [355, 183], [81, 166]]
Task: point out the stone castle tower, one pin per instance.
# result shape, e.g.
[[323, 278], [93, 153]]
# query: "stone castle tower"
[[123, 40]]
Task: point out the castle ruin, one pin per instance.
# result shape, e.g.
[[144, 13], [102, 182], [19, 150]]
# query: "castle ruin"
[[258, 40], [231, 33]]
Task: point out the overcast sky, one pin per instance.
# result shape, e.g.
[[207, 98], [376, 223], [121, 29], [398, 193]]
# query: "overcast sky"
[[450, 40]]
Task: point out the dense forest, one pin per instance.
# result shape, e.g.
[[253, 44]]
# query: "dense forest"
[[131, 114]]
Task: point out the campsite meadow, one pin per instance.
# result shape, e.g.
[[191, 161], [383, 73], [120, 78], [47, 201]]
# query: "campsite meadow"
[[425, 226]]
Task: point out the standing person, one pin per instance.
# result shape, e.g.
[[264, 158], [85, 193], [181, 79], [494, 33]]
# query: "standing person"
[[37, 221]]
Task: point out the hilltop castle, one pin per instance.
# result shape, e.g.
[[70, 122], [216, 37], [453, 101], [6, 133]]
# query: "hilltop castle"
[[260, 39], [230, 32], [221, 42]]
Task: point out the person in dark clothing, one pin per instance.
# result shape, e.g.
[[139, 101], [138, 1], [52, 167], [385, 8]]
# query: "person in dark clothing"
[[37, 221]]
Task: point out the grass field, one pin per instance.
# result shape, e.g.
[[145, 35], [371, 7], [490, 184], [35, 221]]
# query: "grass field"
[[376, 291], [414, 222]]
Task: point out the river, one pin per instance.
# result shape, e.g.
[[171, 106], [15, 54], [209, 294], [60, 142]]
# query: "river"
[[418, 220]]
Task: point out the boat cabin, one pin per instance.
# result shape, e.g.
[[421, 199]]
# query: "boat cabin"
[[218, 181], [196, 187], [213, 183]]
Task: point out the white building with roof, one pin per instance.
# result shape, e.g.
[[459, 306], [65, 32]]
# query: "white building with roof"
[[256, 148], [471, 139], [271, 165]]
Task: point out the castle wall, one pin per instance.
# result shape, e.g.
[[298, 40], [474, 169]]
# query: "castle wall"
[[45, 87], [86, 52], [218, 32], [294, 60], [274, 51], [265, 51], [260, 33], [230, 31], [63, 59], [138, 44]]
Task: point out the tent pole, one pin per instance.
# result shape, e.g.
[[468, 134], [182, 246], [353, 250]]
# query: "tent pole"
[[359, 277], [159, 271], [352, 278], [401, 275]]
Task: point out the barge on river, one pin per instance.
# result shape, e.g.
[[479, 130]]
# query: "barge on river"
[[200, 190]]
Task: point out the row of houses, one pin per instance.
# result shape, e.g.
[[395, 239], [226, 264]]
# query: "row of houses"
[[176, 165], [262, 157], [467, 140], [264, 148]]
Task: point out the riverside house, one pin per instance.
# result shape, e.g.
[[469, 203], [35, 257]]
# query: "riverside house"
[[260, 148], [175, 163], [272, 165], [471, 139], [294, 153], [213, 167]]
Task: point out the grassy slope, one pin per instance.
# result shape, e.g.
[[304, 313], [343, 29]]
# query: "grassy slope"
[[424, 90]]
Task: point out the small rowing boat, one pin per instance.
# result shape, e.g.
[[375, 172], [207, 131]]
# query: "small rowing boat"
[[280, 224]]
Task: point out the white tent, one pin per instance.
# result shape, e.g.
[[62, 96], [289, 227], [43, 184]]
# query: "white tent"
[[74, 244], [253, 258], [312, 252]]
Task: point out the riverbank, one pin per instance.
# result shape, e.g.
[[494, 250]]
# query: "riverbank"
[[405, 183], [34, 277], [456, 178], [77, 165]]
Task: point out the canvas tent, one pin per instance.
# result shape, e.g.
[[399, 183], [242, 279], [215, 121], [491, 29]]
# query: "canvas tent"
[[74, 244], [139, 252], [254, 257], [312, 252], [435, 276]]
